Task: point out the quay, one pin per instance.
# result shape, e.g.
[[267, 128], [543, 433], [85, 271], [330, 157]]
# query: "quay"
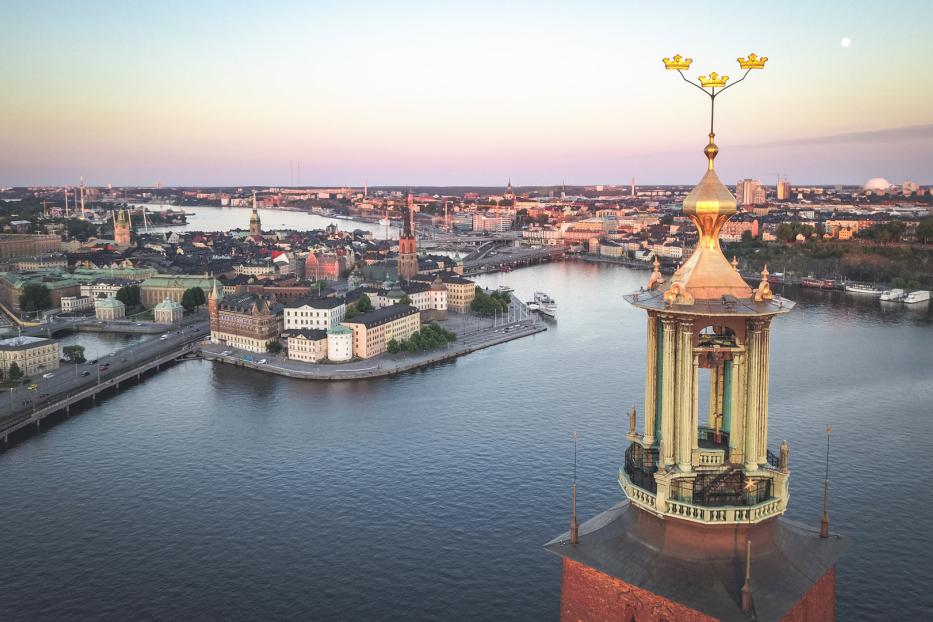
[[380, 366], [73, 383]]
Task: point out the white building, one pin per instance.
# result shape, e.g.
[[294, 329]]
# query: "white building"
[[76, 304], [309, 346], [314, 313], [109, 309], [168, 312], [339, 343]]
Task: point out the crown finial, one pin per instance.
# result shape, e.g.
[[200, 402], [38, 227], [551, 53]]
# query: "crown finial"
[[752, 62], [678, 63], [713, 81]]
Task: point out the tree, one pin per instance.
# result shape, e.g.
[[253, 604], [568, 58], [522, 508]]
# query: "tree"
[[35, 297], [15, 372], [405, 300], [392, 346], [129, 295], [351, 313], [925, 231], [74, 354], [274, 347], [364, 304], [192, 297], [747, 235]]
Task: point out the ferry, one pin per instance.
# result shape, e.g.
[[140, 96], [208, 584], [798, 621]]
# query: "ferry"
[[866, 290], [817, 283], [546, 305], [893, 295], [916, 297]]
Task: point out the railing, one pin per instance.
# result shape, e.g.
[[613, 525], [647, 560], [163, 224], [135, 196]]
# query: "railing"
[[727, 514], [774, 461], [640, 465]]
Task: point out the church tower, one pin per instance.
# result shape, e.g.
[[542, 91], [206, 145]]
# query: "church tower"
[[701, 534], [255, 226], [213, 308], [407, 246], [509, 193], [121, 228]]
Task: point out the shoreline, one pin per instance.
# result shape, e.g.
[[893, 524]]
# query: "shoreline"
[[377, 369]]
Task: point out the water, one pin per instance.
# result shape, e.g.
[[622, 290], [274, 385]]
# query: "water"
[[211, 492], [208, 218]]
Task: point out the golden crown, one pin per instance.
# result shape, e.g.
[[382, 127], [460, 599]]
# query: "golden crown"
[[713, 80], [752, 62], [678, 63]]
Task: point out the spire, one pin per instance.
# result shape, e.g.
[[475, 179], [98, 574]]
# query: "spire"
[[574, 529], [254, 201], [824, 523], [747, 588]]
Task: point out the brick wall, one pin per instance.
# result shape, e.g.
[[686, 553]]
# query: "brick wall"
[[819, 605]]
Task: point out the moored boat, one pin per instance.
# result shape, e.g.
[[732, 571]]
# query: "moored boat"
[[862, 289], [917, 297], [546, 305], [893, 295]]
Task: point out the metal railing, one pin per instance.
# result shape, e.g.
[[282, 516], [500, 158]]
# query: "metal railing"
[[640, 465]]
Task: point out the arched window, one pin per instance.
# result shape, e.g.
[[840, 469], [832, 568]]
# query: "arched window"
[[716, 336]]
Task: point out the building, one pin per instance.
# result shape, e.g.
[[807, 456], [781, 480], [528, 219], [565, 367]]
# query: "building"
[[460, 291], [109, 309], [255, 267], [746, 192], [243, 321], [495, 223], [28, 244], [783, 190], [168, 312], [122, 226], [154, 290], [314, 313], [58, 284], [309, 346], [323, 267], [701, 535], [374, 329], [255, 225], [407, 245], [76, 304], [339, 344], [55, 261], [105, 288], [33, 355]]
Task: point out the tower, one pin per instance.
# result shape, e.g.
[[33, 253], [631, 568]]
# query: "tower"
[[213, 308], [121, 228], [509, 194], [407, 246], [700, 535], [255, 226]]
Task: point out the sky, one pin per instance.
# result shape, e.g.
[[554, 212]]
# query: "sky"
[[459, 93]]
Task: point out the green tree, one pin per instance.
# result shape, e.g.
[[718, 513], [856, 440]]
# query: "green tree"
[[35, 297], [392, 346], [15, 372], [274, 347], [351, 313], [192, 297], [74, 354], [129, 295], [405, 300], [925, 231], [364, 304]]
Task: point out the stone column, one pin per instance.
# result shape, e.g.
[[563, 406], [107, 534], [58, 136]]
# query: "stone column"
[[753, 401], [685, 432], [737, 420], [714, 383], [651, 382], [669, 358], [763, 392], [694, 409]]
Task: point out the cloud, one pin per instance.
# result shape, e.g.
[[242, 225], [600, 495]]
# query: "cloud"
[[887, 135]]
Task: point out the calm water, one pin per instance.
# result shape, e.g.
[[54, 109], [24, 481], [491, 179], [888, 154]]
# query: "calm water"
[[205, 218], [215, 493]]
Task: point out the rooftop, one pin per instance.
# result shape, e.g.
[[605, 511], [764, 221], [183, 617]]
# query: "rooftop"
[[377, 317], [24, 342]]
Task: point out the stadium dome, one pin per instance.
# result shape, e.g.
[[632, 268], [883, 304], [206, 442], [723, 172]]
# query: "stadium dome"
[[876, 183]]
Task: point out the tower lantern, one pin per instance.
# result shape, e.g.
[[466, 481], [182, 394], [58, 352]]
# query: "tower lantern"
[[704, 493]]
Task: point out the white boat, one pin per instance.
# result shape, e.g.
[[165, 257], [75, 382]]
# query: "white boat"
[[916, 297], [866, 290], [893, 295], [546, 305], [505, 289]]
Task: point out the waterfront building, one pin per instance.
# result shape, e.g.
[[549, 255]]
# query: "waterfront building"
[[168, 312], [339, 344], [407, 244], [76, 304], [109, 309], [314, 313], [309, 346], [154, 290], [460, 291], [244, 321], [28, 244], [33, 355], [701, 534], [12, 284], [374, 329], [121, 228]]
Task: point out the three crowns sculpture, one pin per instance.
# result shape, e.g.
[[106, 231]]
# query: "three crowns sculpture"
[[713, 85]]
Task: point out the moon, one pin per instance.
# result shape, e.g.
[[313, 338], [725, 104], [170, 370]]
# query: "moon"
[[846, 42]]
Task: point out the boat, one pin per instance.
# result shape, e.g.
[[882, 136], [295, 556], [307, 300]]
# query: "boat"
[[916, 297], [893, 295], [505, 289], [546, 305], [866, 290], [817, 283]]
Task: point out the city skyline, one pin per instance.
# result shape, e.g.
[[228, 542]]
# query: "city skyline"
[[219, 96]]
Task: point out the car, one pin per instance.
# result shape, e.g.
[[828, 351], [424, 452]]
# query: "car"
[[262, 361], [85, 373], [94, 362], [32, 387], [226, 353], [48, 375], [163, 337]]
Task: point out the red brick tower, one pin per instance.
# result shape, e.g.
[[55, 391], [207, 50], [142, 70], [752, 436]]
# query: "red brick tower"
[[701, 534], [213, 307], [407, 246]]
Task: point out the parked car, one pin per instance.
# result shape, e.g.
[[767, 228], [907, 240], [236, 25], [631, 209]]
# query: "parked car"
[[48, 375]]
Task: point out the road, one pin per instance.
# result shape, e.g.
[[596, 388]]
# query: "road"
[[71, 378]]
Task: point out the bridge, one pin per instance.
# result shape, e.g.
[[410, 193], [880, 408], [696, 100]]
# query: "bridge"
[[74, 383], [493, 261]]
